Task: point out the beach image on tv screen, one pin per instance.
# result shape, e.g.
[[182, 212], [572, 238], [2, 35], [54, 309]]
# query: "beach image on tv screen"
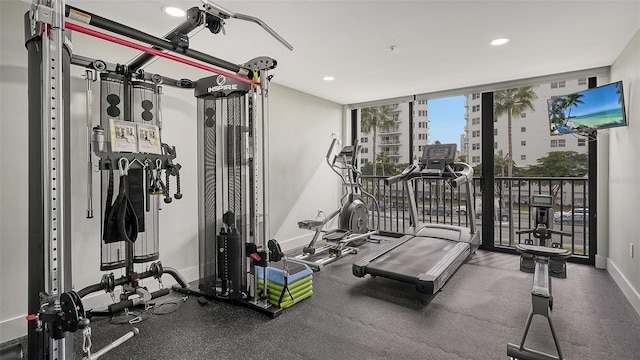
[[592, 109]]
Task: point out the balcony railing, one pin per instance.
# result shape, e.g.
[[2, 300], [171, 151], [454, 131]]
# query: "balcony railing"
[[393, 130], [438, 203]]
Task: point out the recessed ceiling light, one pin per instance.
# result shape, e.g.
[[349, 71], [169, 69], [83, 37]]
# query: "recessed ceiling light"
[[173, 11], [499, 41], [328, 78]]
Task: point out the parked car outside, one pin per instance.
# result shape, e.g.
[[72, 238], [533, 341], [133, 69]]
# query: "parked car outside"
[[381, 206], [462, 210], [505, 215], [437, 210], [400, 206], [576, 216]]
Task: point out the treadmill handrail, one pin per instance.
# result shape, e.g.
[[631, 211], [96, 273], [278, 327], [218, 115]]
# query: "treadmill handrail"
[[413, 171], [396, 178], [464, 176]]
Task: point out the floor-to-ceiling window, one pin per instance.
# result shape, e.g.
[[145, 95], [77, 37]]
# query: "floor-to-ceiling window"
[[522, 158]]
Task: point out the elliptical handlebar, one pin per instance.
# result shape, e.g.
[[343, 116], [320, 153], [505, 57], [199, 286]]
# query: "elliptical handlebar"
[[333, 143], [354, 154], [332, 164]]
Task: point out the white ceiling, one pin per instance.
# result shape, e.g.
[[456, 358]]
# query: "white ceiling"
[[440, 45]]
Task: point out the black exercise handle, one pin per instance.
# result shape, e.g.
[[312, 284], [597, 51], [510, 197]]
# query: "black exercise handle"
[[520, 232], [458, 181], [333, 143], [125, 304], [178, 194], [394, 179], [564, 233], [354, 153], [120, 306]]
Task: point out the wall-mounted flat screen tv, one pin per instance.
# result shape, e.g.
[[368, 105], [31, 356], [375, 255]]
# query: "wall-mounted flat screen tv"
[[589, 110]]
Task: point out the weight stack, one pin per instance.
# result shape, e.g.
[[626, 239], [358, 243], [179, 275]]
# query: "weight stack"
[[230, 263], [144, 110], [113, 98]]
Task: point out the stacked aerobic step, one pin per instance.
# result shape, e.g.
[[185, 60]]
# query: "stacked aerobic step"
[[300, 283]]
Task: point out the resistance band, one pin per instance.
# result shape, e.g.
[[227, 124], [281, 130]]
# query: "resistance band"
[[113, 39]]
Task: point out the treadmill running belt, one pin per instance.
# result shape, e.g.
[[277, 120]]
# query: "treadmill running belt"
[[424, 261]]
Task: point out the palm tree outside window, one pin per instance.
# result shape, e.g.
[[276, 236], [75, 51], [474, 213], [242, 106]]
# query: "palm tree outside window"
[[373, 119], [513, 102]]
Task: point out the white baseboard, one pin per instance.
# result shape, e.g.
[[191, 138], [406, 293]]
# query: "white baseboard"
[[627, 289], [296, 242], [601, 262], [13, 328]]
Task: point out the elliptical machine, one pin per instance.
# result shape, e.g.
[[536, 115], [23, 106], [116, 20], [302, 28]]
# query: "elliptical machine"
[[536, 257], [353, 215]]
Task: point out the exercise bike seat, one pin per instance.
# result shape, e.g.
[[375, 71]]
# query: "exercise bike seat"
[[314, 225], [536, 250]]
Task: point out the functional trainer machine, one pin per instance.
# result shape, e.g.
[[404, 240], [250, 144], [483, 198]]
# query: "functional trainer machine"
[[428, 254], [233, 135], [353, 216], [544, 262], [128, 94]]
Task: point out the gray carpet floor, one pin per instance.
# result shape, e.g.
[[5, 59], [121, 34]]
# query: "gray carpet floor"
[[482, 308]]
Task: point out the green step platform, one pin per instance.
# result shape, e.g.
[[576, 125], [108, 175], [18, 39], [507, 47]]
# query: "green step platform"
[[300, 283]]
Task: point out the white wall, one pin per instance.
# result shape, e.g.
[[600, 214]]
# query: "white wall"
[[624, 178], [13, 171], [301, 183]]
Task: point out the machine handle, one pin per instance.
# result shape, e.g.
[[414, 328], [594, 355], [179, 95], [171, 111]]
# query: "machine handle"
[[333, 143], [394, 179], [354, 154], [564, 233], [520, 232], [223, 13], [133, 332], [458, 181], [124, 304], [120, 306]]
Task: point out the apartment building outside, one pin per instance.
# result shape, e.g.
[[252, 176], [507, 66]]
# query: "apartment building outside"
[[531, 137], [394, 141]]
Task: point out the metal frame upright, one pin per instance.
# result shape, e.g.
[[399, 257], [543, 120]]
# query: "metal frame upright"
[[49, 173]]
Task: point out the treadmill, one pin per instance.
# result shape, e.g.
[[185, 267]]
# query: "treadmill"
[[428, 254]]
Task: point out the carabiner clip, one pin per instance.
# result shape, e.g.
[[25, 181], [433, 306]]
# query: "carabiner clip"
[[123, 164]]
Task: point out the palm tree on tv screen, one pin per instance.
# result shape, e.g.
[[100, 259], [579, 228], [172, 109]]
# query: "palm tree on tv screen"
[[570, 101]]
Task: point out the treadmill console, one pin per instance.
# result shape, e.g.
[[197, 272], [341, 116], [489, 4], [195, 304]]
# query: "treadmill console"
[[436, 157]]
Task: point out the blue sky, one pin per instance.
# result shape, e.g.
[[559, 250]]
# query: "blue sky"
[[447, 119], [597, 99]]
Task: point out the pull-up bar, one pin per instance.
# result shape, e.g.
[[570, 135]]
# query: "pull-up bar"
[[152, 51]]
